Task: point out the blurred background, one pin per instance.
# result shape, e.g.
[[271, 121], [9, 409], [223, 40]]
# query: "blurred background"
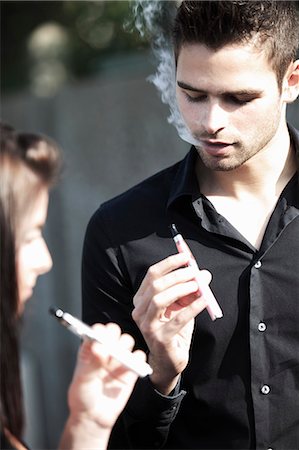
[[78, 72]]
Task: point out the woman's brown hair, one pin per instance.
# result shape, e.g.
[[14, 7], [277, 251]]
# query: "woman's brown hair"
[[28, 162]]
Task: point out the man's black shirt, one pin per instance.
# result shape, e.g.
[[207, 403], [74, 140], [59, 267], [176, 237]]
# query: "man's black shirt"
[[240, 389]]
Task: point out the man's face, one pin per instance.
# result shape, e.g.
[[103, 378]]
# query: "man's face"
[[230, 101]]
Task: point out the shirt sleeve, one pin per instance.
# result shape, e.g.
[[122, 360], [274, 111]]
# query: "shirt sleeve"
[[107, 296], [149, 414], [106, 287]]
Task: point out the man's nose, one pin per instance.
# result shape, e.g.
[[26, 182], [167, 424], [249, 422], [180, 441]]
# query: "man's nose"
[[215, 118]]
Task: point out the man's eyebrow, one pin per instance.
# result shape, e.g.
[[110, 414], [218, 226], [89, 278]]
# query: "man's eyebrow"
[[240, 92], [188, 87]]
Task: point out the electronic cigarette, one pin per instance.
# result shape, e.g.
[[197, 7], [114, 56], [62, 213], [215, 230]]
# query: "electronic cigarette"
[[84, 331], [213, 307]]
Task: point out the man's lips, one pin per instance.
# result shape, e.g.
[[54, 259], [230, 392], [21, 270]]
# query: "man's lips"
[[215, 147]]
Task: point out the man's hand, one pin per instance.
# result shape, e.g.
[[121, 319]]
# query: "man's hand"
[[165, 307]]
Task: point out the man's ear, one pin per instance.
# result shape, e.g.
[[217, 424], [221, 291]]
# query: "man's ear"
[[290, 83]]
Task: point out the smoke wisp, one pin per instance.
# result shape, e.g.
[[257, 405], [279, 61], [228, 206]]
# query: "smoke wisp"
[[154, 19]]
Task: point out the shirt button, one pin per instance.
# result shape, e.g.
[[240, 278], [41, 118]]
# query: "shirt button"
[[265, 389], [262, 326], [258, 264]]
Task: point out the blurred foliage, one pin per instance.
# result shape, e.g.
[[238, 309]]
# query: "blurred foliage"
[[88, 33]]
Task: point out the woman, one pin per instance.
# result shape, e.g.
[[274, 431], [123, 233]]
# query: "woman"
[[29, 166]]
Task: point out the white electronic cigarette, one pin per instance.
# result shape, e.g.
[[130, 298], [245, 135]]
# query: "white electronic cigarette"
[[213, 307], [84, 331]]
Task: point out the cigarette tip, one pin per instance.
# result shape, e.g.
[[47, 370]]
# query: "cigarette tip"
[[57, 312], [173, 230]]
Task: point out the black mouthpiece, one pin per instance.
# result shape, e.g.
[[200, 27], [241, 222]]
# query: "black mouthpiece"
[[173, 230]]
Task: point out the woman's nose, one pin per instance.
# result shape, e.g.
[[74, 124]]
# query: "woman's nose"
[[44, 261]]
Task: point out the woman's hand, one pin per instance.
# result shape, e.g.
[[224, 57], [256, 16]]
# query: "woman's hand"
[[99, 391]]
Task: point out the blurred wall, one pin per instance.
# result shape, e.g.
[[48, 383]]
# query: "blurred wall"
[[114, 132]]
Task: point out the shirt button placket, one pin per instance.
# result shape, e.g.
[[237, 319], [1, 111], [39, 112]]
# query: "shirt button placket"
[[262, 327], [265, 389]]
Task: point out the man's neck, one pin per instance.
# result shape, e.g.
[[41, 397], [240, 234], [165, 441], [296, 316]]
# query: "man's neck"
[[247, 196], [266, 173]]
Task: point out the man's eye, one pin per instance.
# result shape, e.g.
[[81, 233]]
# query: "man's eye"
[[195, 98], [239, 101]]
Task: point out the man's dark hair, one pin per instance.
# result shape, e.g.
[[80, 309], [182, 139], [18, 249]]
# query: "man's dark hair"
[[215, 24]]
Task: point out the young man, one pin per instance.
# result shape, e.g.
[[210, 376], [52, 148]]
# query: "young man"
[[232, 383]]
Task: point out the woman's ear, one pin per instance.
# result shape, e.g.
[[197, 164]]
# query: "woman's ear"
[[290, 83]]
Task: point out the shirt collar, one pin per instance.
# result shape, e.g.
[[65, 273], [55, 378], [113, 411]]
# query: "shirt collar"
[[294, 134], [185, 182]]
